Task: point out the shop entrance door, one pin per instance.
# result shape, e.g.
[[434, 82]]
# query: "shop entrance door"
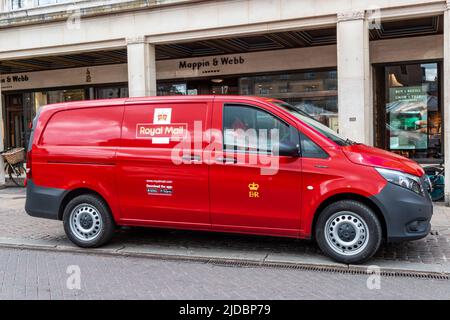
[[15, 133]]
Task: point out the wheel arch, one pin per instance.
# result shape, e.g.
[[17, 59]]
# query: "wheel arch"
[[350, 196], [75, 193]]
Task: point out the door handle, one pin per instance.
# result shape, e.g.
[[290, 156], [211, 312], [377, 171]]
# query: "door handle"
[[226, 160], [191, 158]]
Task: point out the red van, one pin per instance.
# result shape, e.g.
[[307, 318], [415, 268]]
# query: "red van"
[[219, 163]]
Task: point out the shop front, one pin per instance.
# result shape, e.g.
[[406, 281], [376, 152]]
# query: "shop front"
[[407, 104], [407, 110], [23, 95]]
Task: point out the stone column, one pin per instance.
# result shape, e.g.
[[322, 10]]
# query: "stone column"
[[446, 104], [141, 67], [353, 66], [2, 138]]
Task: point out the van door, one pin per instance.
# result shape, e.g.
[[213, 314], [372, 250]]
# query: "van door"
[[156, 187], [253, 190]]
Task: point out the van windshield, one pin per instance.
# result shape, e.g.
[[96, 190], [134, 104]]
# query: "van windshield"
[[303, 116]]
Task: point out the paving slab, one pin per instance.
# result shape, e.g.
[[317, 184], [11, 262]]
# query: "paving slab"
[[17, 229]]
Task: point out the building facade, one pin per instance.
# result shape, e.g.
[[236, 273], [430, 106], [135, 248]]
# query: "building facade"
[[372, 70]]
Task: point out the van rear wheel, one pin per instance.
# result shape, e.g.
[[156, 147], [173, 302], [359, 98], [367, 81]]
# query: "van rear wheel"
[[348, 231], [88, 222]]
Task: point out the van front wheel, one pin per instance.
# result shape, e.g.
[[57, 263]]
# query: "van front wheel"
[[348, 231], [88, 222]]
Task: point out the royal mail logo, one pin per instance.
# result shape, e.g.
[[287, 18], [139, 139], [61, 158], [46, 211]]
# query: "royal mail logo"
[[174, 131], [162, 130], [162, 117]]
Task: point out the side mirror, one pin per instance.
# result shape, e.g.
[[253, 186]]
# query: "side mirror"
[[288, 149]]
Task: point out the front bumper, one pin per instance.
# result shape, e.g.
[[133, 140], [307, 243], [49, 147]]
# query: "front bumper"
[[407, 214]]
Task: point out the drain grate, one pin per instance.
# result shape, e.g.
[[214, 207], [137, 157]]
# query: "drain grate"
[[357, 270], [352, 270]]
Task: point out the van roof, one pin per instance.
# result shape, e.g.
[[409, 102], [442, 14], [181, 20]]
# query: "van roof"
[[136, 100]]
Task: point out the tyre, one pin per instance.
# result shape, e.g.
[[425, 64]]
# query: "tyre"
[[348, 231], [88, 222]]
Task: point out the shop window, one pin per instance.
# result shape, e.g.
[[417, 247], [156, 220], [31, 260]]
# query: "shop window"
[[172, 89], [111, 93], [58, 96], [412, 116], [313, 92]]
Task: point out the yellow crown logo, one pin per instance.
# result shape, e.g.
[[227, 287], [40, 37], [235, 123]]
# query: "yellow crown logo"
[[253, 186]]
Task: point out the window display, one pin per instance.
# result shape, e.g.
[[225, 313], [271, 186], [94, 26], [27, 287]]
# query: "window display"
[[413, 111], [408, 118]]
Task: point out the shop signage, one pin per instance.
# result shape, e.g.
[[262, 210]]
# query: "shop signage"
[[65, 77], [254, 62], [217, 63], [14, 79]]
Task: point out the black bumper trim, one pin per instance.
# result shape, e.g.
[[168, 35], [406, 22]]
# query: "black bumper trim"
[[401, 207], [43, 202]]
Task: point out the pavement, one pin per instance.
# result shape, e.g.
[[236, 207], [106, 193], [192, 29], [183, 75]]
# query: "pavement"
[[50, 275], [19, 231]]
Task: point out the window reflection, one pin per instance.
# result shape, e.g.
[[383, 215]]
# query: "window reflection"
[[313, 92], [58, 96], [172, 89], [111, 93]]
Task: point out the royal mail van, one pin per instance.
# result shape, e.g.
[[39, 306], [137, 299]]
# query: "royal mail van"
[[219, 163]]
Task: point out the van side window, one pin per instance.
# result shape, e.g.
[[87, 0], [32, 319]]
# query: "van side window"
[[310, 149], [251, 129]]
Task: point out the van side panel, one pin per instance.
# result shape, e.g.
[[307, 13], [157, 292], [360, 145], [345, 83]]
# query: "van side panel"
[[76, 149], [153, 189]]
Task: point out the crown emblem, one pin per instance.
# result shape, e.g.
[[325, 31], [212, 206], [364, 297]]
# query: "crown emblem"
[[253, 186], [88, 75], [162, 117]]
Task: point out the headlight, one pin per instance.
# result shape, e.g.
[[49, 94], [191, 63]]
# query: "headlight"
[[402, 179]]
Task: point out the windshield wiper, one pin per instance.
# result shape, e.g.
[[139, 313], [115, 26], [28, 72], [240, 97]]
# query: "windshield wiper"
[[352, 143]]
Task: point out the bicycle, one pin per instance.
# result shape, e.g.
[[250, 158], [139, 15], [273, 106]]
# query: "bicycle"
[[15, 165]]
